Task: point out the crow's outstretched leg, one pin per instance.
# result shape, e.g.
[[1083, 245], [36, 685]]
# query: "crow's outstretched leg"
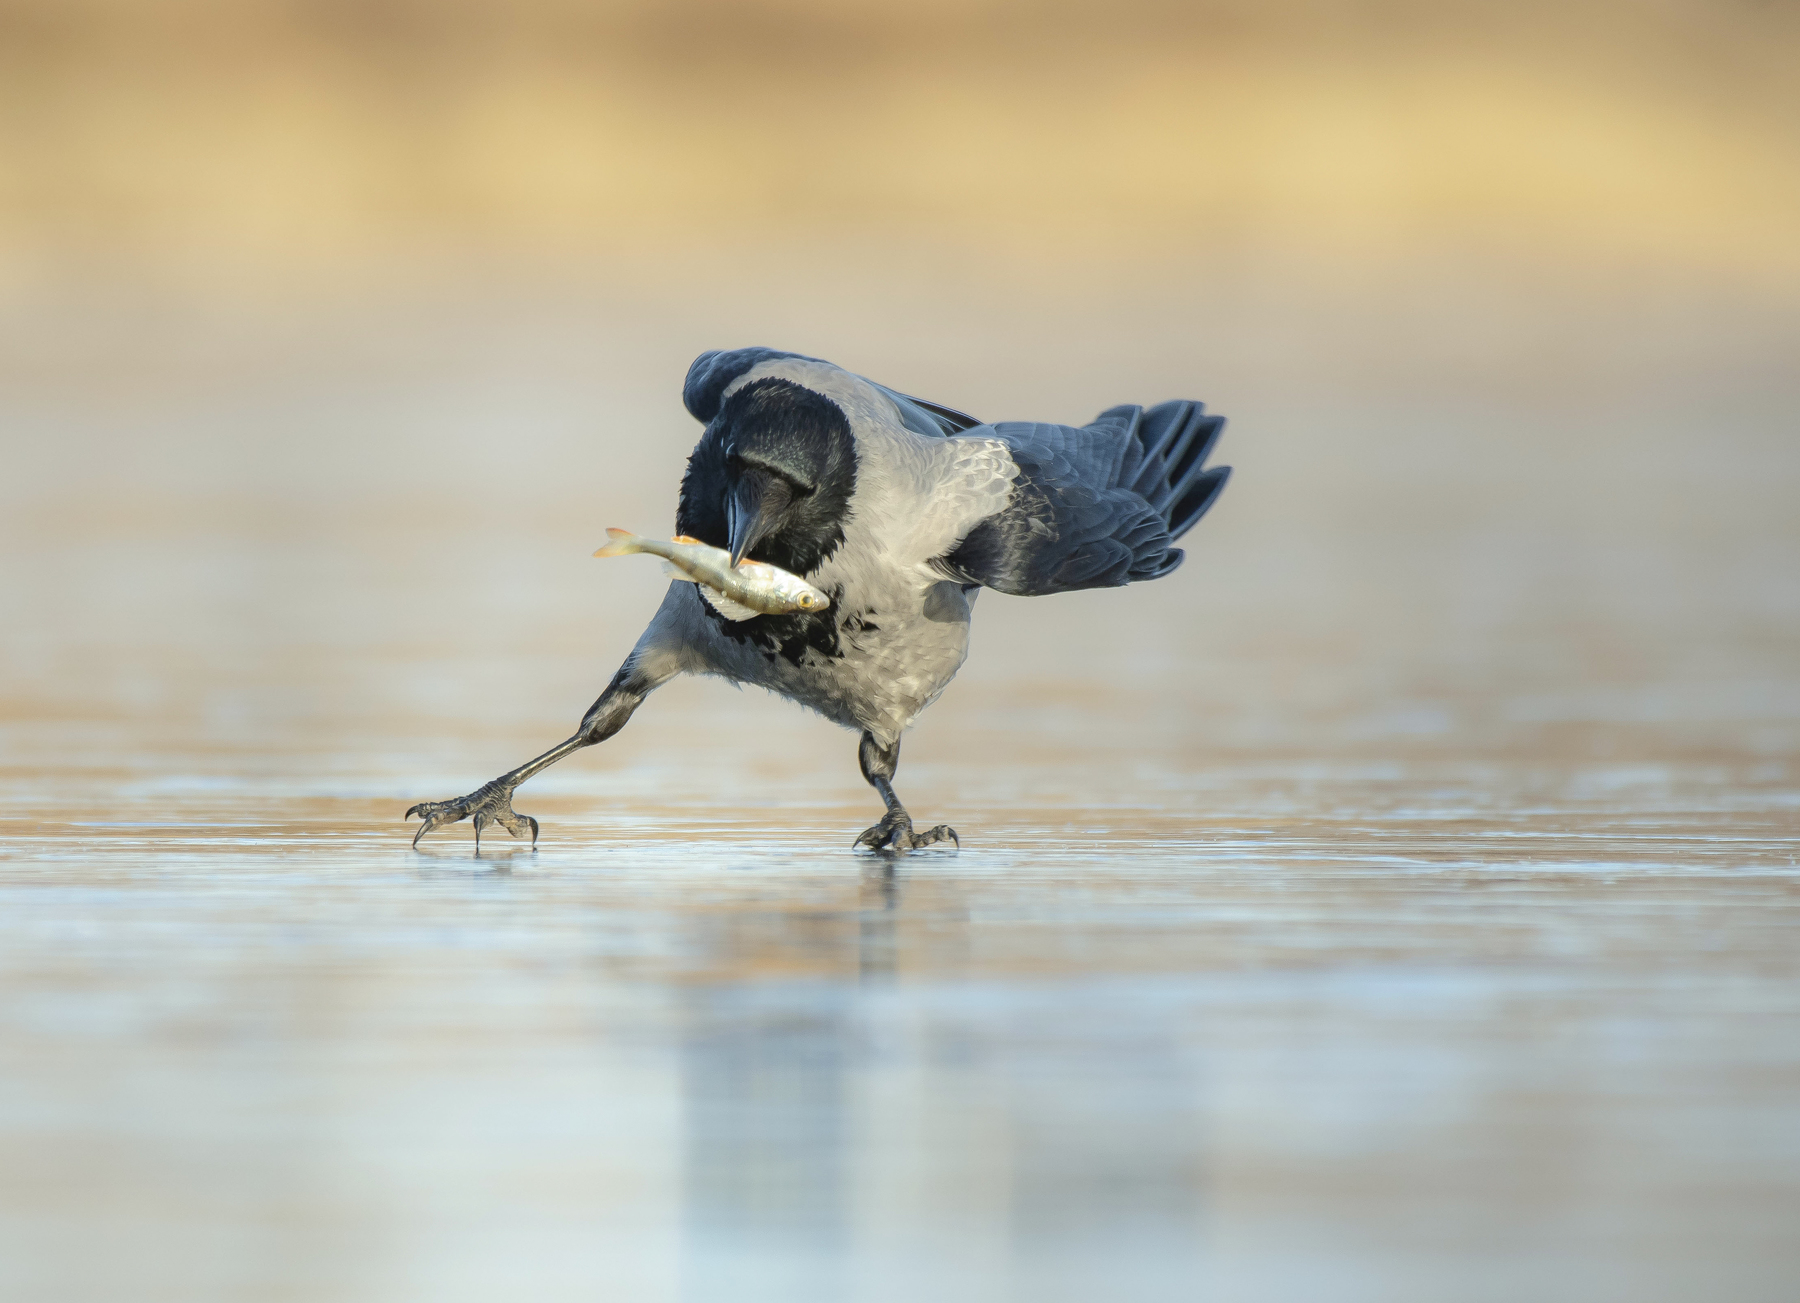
[[492, 802], [895, 829]]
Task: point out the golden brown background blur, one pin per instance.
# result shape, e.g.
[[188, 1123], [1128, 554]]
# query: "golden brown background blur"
[[289, 135]]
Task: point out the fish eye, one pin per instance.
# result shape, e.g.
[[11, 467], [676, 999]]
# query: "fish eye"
[[806, 601]]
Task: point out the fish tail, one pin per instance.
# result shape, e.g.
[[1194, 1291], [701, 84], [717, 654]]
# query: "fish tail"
[[624, 543]]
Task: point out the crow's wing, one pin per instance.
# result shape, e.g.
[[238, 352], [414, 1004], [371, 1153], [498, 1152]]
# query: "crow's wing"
[[1093, 507]]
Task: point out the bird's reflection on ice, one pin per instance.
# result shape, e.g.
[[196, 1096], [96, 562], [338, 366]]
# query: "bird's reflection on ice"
[[844, 1136], [876, 940], [767, 1149]]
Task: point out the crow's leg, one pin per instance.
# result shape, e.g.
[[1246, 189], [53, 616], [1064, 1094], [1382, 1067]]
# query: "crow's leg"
[[492, 802], [895, 829]]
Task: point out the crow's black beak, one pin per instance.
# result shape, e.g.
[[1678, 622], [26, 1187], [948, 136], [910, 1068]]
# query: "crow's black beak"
[[756, 503]]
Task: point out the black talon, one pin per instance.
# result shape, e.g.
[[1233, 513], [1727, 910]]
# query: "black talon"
[[895, 831], [488, 804]]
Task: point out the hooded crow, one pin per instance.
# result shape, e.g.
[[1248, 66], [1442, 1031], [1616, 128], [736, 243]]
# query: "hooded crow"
[[901, 511]]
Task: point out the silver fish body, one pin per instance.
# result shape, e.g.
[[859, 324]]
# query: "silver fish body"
[[750, 589]]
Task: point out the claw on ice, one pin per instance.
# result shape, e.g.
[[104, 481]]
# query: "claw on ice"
[[895, 832], [488, 804]]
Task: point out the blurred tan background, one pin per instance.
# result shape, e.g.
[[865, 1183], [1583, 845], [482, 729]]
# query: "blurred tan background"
[[294, 137], [1396, 903]]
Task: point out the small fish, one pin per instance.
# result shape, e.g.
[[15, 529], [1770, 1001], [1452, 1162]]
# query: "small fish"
[[754, 588]]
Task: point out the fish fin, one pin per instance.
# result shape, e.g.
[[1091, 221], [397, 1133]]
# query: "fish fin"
[[686, 538], [676, 572], [733, 611], [623, 543]]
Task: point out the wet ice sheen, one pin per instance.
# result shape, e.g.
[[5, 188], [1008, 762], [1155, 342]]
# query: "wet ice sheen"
[[714, 1055]]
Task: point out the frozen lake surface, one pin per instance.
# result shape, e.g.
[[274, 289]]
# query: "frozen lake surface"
[[1429, 1044]]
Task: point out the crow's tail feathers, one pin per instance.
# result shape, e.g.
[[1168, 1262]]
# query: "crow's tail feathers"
[[1165, 451]]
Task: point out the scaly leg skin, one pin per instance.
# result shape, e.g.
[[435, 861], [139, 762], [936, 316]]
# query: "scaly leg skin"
[[489, 803], [895, 831], [492, 802]]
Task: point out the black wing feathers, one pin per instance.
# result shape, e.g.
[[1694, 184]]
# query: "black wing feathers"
[[1098, 506], [951, 420], [1173, 441]]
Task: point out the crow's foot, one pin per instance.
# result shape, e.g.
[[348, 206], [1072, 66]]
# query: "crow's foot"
[[896, 832], [489, 803]]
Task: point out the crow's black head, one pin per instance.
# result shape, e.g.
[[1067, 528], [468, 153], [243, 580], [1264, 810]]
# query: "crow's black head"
[[772, 476]]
